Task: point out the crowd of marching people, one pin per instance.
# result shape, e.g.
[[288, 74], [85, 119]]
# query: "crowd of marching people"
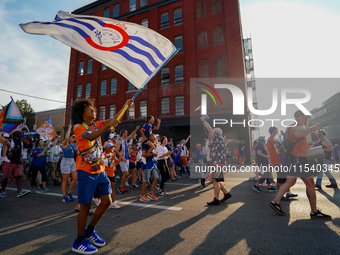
[[145, 160], [44, 161]]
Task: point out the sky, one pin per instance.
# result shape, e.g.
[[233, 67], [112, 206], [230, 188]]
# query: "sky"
[[291, 39]]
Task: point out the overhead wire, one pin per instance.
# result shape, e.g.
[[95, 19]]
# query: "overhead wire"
[[46, 99]]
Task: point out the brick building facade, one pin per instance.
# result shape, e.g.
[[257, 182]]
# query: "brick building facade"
[[210, 37]]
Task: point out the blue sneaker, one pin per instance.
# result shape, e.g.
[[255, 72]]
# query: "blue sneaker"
[[95, 239], [33, 191], [272, 189], [45, 190], [70, 196], [3, 194], [84, 247], [257, 189], [65, 199]]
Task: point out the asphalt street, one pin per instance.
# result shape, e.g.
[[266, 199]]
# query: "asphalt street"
[[180, 223]]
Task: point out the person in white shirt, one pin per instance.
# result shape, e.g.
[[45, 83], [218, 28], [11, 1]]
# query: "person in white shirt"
[[162, 165], [184, 157], [51, 162]]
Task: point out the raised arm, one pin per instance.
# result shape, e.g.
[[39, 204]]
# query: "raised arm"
[[158, 124], [129, 102], [132, 134], [67, 136], [207, 126]]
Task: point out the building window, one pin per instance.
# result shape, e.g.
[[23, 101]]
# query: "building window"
[[104, 67], [216, 6], [178, 16], [218, 35], [131, 87], [112, 112], [89, 66], [88, 90], [165, 76], [101, 113], [107, 13], [203, 68], [79, 91], [143, 109], [115, 11], [202, 39], [179, 105], [165, 106], [143, 3], [164, 19], [132, 5], [103, 88], [131, 113], [81, 68], [145, 22], [178, 42], [179, 73], [113, 89], [200, 9], [220, 66]]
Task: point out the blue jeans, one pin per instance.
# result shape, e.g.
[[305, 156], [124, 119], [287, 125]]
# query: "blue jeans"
[[328, 174]]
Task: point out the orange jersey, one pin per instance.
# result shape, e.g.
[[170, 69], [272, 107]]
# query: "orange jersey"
[[133, 155], [110, 170], [235, 152], [84, 144], [274, 156], [300, 148]]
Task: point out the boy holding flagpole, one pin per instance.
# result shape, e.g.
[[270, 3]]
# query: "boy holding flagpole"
[[92, 179]]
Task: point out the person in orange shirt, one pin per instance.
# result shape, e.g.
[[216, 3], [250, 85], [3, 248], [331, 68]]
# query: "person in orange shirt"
[[110, 161], [276, 152], [92, 179], [297, 157], [235, 155]]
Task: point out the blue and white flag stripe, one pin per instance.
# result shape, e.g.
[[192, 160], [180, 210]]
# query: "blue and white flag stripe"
[[134, 51]]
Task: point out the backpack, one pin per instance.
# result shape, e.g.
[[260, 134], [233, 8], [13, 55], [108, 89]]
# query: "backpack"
[[287, 143]]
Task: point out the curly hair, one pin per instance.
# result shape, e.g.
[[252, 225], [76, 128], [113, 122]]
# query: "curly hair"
[[77, 109]]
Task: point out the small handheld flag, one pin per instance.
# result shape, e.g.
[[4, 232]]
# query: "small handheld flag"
[[46, 130]]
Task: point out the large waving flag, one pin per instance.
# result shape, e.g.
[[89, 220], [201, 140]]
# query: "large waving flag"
[[134, 51], [10, 118], [46, 130]]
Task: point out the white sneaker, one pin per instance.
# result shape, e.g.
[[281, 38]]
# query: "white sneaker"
[[97, 201], [127, 184], [115, 206], [264, 184]]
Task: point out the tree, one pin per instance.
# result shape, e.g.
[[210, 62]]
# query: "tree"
[[27, 112]]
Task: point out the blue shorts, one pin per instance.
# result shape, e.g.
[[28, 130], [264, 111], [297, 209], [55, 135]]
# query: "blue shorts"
[[92, 185]]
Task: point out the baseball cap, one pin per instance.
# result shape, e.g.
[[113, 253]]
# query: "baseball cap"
[[271, 129], [108, 145], [298, 114], [261, 139], [321, 132]]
